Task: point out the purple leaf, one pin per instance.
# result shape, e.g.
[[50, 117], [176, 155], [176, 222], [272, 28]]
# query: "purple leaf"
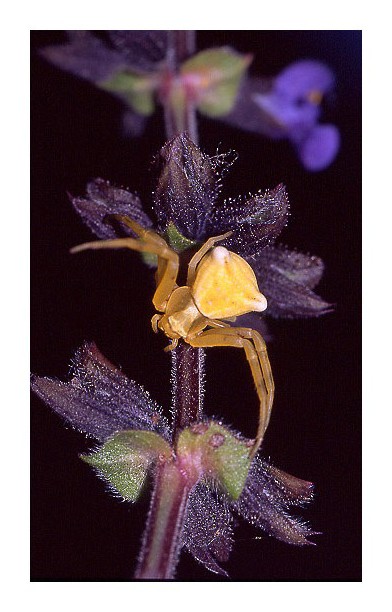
[[255, 223], [298, 267], [142, 49], [290, 490], [187, 188], [97, 58], [286, 278], [265, 498], [268, 493], [85, 56], [103, 200], [246, 114], [100, 400], [255, 321], [207, 532]]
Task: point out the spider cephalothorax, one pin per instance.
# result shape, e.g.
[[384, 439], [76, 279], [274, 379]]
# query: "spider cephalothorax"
[[220, 286]]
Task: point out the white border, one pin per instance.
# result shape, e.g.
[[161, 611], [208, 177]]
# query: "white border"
[[15, 330]]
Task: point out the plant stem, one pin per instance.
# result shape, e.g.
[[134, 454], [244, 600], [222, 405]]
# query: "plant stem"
[[182, 44], [187, 362], [179, 112], [187, 379], [162, 537]]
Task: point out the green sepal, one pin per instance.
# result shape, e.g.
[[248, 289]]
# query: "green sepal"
[[216, 75], [220, 455], [124, 459], [176, 240], [137, 89]]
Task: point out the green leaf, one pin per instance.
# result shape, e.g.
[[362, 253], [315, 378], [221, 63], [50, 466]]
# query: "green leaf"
[[137, 89], [176, 240], [221, 454], [215, 75], [125, 458]]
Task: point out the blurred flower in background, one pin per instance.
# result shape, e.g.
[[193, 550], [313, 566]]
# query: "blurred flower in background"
[[293, 104], [289, 106], [136, 66]]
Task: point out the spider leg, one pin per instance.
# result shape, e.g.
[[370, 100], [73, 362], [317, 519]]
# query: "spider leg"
[[143, 233], [265, 392], [256, 354], [149, 242], [173, 344], [200, 254], [154, 322], [148, 236]]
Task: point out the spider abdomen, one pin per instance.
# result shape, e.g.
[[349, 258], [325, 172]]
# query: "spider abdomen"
[[226, 286]]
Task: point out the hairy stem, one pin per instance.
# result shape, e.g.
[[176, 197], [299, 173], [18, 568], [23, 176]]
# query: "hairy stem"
[[187, 380], [182, 44], [162, 537], [187, 362], [179, 111]]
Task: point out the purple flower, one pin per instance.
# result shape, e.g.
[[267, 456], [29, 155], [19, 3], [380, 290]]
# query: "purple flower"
[[293, 105], [289, 106], [134, 65]]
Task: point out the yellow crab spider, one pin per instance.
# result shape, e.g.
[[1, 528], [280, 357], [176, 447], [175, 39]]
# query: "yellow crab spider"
[[220, 286]]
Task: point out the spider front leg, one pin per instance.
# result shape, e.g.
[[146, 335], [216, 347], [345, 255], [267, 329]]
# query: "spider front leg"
[[256, 353], [200, 254], [148, 236], [148, 242]]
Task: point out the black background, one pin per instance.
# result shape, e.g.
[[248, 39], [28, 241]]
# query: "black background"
[[78, 531]]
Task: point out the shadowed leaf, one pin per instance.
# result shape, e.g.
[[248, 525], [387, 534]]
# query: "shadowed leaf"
[[287, 278], [100, 400], [98, 57], [208, 532], [263, 502], [142, 49], [269, 492], [103, 200], [187, 187], [248, 115], [292, 491], [255, 223], [85, 56]]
